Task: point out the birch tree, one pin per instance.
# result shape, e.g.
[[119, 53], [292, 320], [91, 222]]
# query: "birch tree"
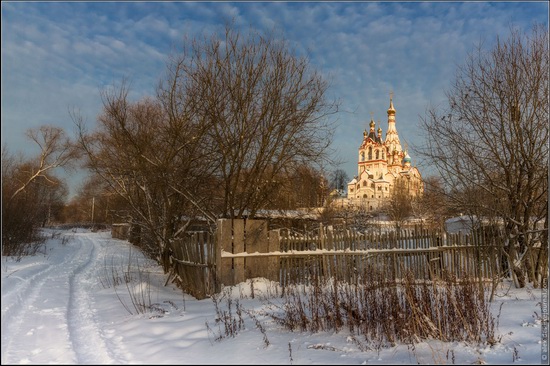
[[30, 189]]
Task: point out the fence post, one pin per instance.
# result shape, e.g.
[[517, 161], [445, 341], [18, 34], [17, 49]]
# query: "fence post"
[[273, 263], [224, 266], [217, 257], [238, 247], [255, 240]]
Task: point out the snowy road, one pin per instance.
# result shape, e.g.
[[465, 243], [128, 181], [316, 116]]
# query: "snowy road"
[[58, 292]]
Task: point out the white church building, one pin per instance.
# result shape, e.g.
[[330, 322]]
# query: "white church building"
[[382, 163]]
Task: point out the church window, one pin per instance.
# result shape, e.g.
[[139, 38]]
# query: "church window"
[[362, 156], [364, 196], [377, 152], [370, 152], [364, 183]]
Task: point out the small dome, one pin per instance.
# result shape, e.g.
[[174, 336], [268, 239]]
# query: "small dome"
[[407, 158], [391, 110]]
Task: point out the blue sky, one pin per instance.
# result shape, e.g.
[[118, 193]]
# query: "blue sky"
[[57, 56]]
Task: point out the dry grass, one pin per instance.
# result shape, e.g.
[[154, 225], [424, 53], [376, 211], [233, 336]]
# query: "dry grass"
[[136, 296], [384, 312], [229, 319]]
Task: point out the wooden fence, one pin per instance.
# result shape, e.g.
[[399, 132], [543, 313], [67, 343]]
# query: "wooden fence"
[[243, 249], [193, 261], [120, 231]]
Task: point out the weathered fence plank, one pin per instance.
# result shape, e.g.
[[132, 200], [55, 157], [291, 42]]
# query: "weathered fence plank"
[[225, 243], [272, 263], [238, 247], [255, 241]]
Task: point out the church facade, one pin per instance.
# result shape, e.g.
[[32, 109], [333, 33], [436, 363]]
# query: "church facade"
[[382, 166]]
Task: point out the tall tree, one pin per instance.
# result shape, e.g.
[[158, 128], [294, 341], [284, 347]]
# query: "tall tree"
[[339, 180], [232, 116], [151, 158], [31, 193], [492, 143], [265, 109]]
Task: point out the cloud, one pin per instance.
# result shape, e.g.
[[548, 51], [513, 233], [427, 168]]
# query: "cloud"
[[56, 55]]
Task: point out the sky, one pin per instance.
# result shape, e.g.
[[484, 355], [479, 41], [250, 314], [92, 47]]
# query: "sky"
[[62, 306], [58, 56]]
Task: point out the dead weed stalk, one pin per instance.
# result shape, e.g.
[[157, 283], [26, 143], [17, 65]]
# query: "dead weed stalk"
[[385, 311]]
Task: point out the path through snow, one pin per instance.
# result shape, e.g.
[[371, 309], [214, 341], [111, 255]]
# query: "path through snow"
[[59, 291]]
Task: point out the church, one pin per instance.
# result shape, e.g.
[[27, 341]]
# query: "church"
[[382, 164]]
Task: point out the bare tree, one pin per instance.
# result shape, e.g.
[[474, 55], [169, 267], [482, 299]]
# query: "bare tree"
[[399, 207], [491, 145], [302, 190], [433, 206], [152, 158], [31, 194], [95, 202], [357, 217], [265, 109], [232, 118], [339, 180], [56, 150]]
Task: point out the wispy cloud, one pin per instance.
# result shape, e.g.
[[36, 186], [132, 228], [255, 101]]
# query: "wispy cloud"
[[59, 55]]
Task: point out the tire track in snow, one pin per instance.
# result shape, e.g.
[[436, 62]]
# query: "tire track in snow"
[[15, 311], [89, 343], [64, 283], [25, 287]]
